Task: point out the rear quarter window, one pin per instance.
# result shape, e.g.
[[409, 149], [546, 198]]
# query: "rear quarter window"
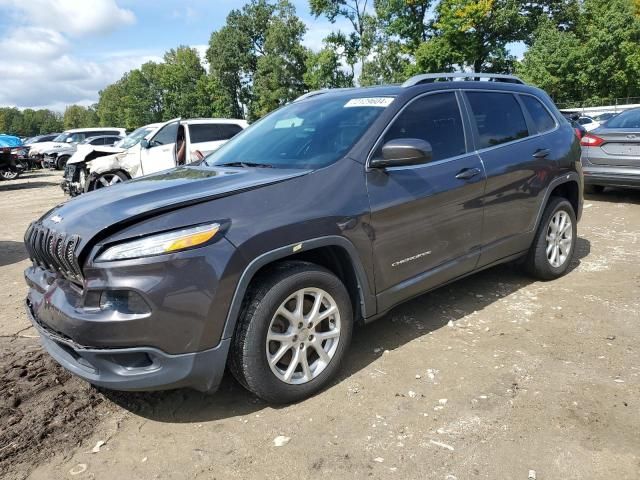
[[212, 132], [538, 113], [498, 117]]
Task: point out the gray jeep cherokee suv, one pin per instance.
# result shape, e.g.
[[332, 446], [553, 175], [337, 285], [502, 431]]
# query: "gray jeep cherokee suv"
[[326, 213]]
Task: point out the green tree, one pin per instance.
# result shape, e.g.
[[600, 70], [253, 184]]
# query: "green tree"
[[598, 59], [555, 63], [474, 34], [279, 76], [77, 116], [257, 58], [234, 50], [404, 20], [323, 70], [178, 80], [358, 43]]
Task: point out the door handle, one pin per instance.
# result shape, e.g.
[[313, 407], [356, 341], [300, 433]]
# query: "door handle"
[[467, 173], [541, 153]]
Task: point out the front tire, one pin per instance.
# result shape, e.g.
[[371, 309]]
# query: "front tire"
[[293, 332], [109, 179], [555, 242]]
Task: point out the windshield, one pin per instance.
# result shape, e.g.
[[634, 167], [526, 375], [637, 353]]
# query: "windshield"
[[627, 119], [310, 134], [134, 137], [62, 137]]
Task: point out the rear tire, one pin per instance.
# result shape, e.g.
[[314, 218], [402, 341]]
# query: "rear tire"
[[593, 189], [283, 353], [555, 242], [61, 162]]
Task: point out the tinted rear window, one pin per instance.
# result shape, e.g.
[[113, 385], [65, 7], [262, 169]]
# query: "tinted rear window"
[[499, 118], [212, 132], [539, 114]]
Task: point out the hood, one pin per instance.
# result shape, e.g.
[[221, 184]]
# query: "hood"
[[42, 146], [104, 210], [58, 149], [84, 150]]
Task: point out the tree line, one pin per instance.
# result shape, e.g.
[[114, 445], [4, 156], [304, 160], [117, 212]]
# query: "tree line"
[[577, 50]]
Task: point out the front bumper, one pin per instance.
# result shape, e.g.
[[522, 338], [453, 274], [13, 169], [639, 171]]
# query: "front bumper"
[[177, 342], [136, 368]]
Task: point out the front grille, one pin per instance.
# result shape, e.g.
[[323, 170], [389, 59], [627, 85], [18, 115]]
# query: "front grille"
[[54, 251]]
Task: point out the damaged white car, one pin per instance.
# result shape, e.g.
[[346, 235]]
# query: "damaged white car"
[[149, 149]]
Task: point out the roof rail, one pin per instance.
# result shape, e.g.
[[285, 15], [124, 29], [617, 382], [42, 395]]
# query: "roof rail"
[[434, 77], [313, 93]]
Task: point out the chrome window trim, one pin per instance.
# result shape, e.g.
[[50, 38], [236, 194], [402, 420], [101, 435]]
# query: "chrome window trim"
[[399, 112]]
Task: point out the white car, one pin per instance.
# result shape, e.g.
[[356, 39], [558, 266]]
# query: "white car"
[[588, 123], [57, 157], [73, 136], [149, 149]]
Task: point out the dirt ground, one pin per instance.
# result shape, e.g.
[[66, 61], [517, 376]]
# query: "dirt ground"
[[493, 377]]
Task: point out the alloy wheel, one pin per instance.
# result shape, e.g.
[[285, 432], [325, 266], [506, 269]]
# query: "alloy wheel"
[[559, 238], [107, 180], [303, 336]]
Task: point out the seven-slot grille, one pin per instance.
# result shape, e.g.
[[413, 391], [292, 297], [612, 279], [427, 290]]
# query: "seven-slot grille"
[[53, 251]]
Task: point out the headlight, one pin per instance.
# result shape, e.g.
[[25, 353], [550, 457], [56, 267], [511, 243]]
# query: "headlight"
[[161, 243]]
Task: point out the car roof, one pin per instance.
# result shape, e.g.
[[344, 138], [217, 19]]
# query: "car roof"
[[93, 129], [197, 121], [411, 90]]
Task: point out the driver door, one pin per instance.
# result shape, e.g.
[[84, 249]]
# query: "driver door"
[[427, 219], [160, 153]]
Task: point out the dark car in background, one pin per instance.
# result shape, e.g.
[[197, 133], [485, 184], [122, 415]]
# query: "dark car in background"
[[611, 153], [326, 213]]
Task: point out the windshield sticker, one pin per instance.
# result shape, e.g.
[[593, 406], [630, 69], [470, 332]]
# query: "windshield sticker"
[[369, 102]]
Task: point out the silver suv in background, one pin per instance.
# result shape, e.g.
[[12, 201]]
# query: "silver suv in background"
[[611, 153]]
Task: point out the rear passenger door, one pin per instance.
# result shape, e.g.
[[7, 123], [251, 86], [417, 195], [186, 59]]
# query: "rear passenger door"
[[519, 165], [426, 219]]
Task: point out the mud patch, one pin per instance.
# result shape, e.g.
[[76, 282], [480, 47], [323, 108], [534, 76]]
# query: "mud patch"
[[43, 409]]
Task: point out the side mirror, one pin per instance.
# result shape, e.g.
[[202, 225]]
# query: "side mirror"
[[144, 143], [402, 152], [69, 140]]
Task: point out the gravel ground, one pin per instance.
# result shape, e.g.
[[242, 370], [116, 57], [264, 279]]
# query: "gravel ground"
[[492, 377]]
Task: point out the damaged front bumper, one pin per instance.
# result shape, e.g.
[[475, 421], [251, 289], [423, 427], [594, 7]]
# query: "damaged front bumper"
[[162, 337], [136, 368]]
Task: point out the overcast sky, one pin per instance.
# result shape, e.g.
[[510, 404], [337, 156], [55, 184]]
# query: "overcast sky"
[[58, 52]]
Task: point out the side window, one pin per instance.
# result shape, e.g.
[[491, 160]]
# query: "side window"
[[97, 141], [498, 116], [203, 132], [434, 118], [540, 115], [212, 132], [166, 135], [228, 130]]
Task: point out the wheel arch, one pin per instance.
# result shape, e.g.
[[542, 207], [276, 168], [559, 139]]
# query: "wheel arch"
[[566, 186], [335, 253]]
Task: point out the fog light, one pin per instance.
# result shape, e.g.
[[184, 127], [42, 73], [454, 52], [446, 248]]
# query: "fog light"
[[123, 301]]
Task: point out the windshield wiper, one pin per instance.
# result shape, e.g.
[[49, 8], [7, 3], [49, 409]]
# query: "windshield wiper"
[[244, 165]]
